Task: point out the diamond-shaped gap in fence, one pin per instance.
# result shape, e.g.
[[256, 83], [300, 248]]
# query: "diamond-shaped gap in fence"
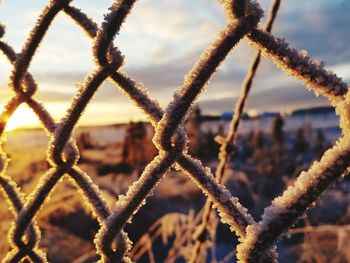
[[74, 207], [166, 36], [225, 85], [58, 50], [110, 107], [65, 204], [68, 210], [296, 95], [177, 47], [164, 194]]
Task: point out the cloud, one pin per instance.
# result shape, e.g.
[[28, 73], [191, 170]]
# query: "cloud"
[[161, 40], [279, 99], [318, 26]]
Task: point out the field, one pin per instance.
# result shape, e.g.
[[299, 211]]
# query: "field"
[[169, 218]]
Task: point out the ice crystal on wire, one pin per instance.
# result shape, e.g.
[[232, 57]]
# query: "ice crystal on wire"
[[171, 140], [292, 201], [299, 65]]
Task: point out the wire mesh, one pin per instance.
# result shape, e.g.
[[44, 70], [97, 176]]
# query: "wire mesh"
[[257, 240]]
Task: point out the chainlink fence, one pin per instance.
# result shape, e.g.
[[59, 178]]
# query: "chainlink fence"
[[257, 239]]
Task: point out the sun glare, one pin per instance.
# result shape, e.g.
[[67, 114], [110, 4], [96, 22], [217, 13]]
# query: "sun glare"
[[22, 118]]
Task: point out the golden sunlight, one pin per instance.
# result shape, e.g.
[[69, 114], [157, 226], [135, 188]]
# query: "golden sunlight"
[[23, 117]]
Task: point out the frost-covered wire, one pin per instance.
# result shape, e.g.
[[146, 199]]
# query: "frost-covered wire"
[[111, 242], [14, 198], [168, 154], [127, 85], [227, 145], [115, 76], [8, 185], [32, 44], [26, 215], [294, 201], [297, 63]]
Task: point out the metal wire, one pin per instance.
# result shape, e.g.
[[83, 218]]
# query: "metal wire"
[[112, 243]]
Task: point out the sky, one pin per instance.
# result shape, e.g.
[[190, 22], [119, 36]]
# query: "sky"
[[161, 40]]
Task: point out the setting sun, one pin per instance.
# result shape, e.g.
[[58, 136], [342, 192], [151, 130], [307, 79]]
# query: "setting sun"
[[23, 117]]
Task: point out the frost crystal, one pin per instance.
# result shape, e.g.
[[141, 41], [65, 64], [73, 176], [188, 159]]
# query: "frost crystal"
[[112, 243]]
